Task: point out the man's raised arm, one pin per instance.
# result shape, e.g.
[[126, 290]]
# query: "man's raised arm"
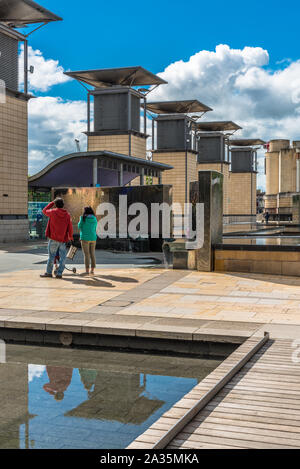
[[47, 210]]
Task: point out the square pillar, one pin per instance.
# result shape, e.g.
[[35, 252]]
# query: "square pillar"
[[95, 172], [142, 177], [121, 176], [208, 190]]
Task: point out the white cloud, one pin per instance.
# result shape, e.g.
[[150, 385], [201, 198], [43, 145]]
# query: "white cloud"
[[237, 83], [54, 123], [47, 72], [35, 371], [239, 86]]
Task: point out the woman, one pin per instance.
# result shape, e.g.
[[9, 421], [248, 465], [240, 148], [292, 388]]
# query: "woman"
[[88, 236]]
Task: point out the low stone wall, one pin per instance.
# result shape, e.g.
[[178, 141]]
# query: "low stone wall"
[[230, 219], [13, 231], [262, 262]]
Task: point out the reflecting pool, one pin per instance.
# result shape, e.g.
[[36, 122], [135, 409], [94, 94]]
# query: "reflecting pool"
[[88, 399]]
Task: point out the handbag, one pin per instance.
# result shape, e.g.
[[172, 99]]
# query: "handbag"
[[72, 252]]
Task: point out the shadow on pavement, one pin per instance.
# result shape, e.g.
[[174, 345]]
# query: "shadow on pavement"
[[114, 278], [90, 282]]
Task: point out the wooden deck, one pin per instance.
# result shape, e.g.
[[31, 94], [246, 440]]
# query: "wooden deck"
[[258, 408]]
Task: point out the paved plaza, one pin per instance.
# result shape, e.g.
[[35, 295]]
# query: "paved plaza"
[[131, 294]]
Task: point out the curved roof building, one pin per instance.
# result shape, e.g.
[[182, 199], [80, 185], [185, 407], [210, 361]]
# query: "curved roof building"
[[87, 169]]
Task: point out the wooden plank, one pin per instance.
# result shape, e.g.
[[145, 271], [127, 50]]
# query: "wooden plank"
[[264, 397], [252, 381], [240, 422], [257, 396], [161, 426], [272, 405], [267, 412], [223, 440], [167, 438], [288, 438], [268, 373], [279, 385], [288, 378], [138, 445], [241, 437], [247, 417], [260, 388], [253, 388], [256, 407], [267, 366], [174, 413], [204, 446]]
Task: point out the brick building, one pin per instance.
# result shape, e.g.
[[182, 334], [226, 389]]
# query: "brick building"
[[14, 116], [213, 151], [242, 186], [282, 169], [191, 145]]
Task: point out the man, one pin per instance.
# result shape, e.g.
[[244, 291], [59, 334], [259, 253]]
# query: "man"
[[59, 232], [267, 216]]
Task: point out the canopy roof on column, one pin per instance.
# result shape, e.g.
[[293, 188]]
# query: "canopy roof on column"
[[246, 142], [19, 13], [177, 107], [218, 126], [125, 76]]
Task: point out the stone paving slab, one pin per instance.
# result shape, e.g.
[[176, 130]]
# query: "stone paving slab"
[[280, 331], [144, 327], [25, 322], [75, 293], [154, 302]]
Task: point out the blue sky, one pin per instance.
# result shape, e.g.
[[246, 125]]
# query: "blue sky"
[[241, 59], [95, 34]]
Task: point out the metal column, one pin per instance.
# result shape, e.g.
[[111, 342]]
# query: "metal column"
[[121, 175], [186, 161], [129, 123], [95, 172], [145, 115], [26, 67], [298, 176], [89, 112], [142, 177], [153, 132], [251, 193]]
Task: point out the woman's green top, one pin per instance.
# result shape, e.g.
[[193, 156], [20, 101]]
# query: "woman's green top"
[[88, 228]]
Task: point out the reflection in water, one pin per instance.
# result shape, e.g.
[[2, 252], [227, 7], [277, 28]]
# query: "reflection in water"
[[261, 241], [88, 379], [50, 406], [60, 379], [96, 409]]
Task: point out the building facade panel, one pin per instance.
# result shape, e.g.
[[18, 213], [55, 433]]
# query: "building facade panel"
[[242, 194], [13, 156], [272, 172], [287, 171], [224, 169], [118, 144], [282, 180], [176, 176], [9, 64]]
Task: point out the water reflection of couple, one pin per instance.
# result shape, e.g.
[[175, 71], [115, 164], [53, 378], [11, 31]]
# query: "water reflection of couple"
[[60, 379]]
